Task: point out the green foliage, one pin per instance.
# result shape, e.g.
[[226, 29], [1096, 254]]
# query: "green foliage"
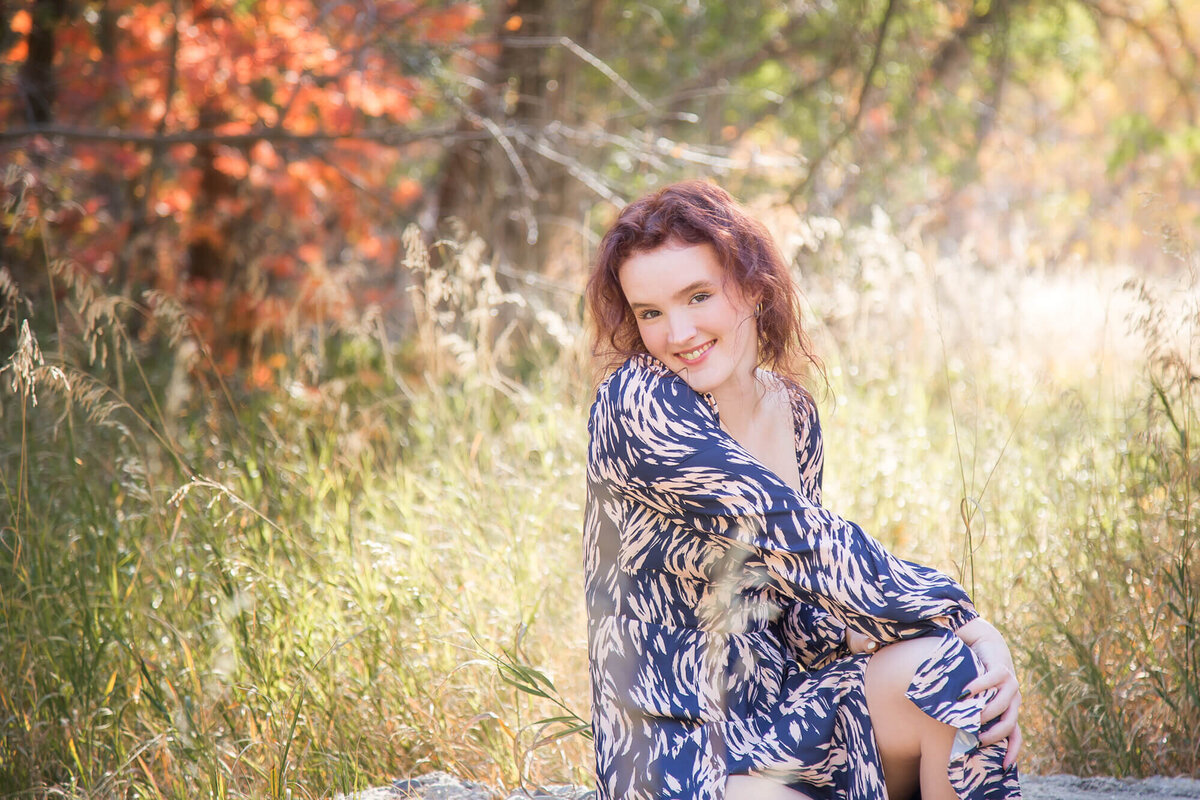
[[1128, 694], [368, 565], [1136, 134], [265, 593]]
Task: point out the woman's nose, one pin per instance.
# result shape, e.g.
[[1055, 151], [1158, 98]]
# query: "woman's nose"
[[679, 328]]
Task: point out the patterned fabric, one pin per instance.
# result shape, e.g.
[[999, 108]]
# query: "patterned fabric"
[[718, 600]]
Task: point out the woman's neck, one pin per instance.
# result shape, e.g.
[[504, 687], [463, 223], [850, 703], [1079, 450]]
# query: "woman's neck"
[[741, 406]]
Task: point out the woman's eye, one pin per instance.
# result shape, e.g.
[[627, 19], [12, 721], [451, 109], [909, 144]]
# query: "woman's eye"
[[648, 314], [701, 297]]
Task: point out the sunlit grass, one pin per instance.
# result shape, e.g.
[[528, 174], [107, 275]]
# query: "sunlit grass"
[[208, 590]]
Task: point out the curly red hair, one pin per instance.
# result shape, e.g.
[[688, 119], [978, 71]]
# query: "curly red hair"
[[698, 212]]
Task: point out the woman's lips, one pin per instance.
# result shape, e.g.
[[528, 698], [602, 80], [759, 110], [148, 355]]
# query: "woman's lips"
[[696, 354]]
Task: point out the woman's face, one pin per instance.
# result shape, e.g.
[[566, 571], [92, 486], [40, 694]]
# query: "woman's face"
[[692, 317]]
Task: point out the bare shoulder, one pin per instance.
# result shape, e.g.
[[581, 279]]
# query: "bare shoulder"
[[803, 405]]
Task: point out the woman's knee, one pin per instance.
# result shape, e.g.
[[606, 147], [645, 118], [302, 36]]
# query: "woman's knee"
[[893, 666], [900, 726]]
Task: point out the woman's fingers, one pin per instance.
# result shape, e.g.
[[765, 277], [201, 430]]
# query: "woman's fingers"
[[1007, 693], [1002, 710], [1003, 726], [1014, 748], [860, 642], [990, 679]]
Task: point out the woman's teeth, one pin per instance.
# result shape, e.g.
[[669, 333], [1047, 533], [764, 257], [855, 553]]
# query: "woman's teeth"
[[692, 355]]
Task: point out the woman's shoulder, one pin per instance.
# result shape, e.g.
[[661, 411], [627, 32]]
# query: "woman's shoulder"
[[802, 402], [645, 393], [642, 380]]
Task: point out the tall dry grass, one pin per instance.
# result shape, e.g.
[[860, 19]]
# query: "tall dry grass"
[[1034, 435], [371, 568]]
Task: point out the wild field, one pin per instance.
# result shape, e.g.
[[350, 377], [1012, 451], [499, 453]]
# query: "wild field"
[[361, 561]]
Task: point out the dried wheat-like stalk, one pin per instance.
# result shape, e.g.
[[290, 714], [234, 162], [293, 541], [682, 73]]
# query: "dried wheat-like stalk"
[[23, 363], [11, 300], [98, 311], [80, 390], [17, 182], [170, 315]]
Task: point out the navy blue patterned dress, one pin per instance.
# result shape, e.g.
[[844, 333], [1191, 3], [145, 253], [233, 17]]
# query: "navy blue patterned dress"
[[718, 600]]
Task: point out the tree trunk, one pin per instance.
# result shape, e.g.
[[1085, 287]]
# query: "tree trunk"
[[500, 187], [36, 83]]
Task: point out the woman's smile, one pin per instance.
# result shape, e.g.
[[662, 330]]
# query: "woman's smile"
[[694, 356]]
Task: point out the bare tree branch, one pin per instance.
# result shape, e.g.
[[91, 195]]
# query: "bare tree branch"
[[586, 56], [528, 193], [852, 125], [389, 136], [590, 178]]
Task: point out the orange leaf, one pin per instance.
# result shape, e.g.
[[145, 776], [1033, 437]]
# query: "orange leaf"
[[233, 128], [370, 246], [177, 199], [22, 23], [264, 154], [513, 23], [406, 191], [370, 101], [310, 253], [17, 53], [231, 163], [261, 377], [281, 266]]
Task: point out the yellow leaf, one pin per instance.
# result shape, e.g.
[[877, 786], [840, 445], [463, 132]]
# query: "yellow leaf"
[[75, 754]]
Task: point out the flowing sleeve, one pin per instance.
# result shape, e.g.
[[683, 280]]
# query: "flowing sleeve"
[[698, 502], [813, 635]]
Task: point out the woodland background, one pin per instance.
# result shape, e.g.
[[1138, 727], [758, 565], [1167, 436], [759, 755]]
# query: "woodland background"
[[295, 371]]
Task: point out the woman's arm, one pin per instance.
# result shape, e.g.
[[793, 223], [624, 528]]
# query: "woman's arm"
[[699, 500]]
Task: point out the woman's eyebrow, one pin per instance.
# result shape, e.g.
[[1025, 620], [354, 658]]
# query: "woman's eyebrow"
[[684, 292], [692, 287]]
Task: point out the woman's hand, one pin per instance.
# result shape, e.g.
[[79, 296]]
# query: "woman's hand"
[[860, 642], [999, 674]]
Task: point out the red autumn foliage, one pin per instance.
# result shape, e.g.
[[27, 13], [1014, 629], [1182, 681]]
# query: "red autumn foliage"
[[214, 218]]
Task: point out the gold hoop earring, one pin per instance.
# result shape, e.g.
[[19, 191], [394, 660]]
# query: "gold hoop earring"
[[758, 311]]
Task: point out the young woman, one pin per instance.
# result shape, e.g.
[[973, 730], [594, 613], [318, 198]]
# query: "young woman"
[[746, 642]]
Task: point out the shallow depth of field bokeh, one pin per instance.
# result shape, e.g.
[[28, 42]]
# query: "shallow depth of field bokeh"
[[295, 375]]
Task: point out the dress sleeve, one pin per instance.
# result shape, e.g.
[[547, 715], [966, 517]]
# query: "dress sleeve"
[[699, 503], [812, 635]]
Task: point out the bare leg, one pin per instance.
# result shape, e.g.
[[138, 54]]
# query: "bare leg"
[[914, 747], [751, 787]]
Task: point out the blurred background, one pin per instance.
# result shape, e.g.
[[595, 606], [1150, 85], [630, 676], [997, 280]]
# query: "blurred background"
[[295, 372]]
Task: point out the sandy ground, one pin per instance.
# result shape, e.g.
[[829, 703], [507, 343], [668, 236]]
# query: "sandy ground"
[[440, 786], [1069, 787]]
